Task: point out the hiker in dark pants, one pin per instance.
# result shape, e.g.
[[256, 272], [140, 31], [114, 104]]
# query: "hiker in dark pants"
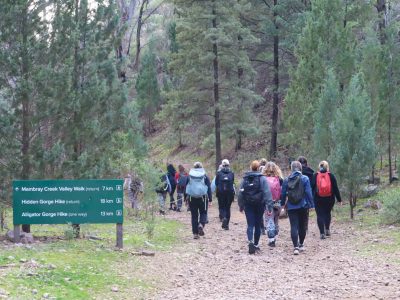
[[297, 198], [254, 199], [171, 172], [198, 190], [325, 190], [307, 171], [225, 181], [181, 179]]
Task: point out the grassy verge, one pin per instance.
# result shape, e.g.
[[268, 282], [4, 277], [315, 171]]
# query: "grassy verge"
[[378, 238], [83, 268]]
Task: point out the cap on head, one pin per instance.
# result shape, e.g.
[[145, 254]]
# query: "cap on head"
[[225, 163], [197, 165]]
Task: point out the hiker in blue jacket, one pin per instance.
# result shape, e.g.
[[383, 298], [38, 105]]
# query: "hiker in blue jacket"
[[198, 193], [297, 198]]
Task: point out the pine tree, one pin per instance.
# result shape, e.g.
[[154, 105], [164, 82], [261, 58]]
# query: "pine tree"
[[148, 92], [353, 132], [329, 101], [213, 68], [324, 43]]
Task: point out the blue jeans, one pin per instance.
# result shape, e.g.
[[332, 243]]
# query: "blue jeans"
[[254, 216], [272, 223]]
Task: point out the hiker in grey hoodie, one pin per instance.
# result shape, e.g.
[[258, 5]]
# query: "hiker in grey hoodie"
[[254, 199], [198, 193]]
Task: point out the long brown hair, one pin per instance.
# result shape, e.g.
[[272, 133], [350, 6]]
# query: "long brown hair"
[[272, 170]]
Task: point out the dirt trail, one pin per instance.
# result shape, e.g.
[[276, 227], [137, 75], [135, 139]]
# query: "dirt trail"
[[218, 266]]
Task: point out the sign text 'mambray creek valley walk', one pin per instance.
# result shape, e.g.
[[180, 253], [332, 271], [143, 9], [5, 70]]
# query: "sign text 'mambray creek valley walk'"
[[67, 201]]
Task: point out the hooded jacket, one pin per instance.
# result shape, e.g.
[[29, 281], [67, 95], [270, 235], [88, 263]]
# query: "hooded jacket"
[[307, 201], [267, 196]]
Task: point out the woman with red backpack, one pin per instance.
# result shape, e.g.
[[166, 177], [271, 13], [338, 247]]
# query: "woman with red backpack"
[[275, 179], [325, 190]]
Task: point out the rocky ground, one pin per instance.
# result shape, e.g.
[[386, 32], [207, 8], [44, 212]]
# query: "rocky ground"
[[218, 265]]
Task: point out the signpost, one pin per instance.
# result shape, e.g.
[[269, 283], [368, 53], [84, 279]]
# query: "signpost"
[[68, 201]]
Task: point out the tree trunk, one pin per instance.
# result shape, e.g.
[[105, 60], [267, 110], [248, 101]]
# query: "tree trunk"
[[25, 144], [138, 34], [239, 132], [216, 98], [390, 144], [275, 105], [352, 205], [127, 11]]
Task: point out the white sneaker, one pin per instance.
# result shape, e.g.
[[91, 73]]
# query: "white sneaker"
[[301, 248], [296, 251]]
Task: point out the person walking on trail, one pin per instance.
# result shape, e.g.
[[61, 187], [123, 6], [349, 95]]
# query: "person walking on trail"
[[181, 179], [254, 199], [325, 190], [163, 188], [171, 177], [275, 179], [214, 190], [198, 191], [225, 190], [297, 198], [306, 170], [134, 186]]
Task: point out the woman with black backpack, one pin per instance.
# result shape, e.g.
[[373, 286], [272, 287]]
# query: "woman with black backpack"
[[254, 199], [325, 190], [297, 198]]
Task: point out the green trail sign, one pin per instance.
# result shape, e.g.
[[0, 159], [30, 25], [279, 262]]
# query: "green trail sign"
[[67, 201]]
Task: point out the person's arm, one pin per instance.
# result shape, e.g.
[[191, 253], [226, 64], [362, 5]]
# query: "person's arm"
[[208, 183], [307, 189], [169, 184], [177, 177], [335, 188], [283, 194], [267, 196]]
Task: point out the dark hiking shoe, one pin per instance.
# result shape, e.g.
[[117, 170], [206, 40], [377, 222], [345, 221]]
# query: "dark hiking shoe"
[[252, 248], [178, 210], [224, 223], [162, 212], [196, 236], [322, 236], [327, 232], [271, 244], [201, 230], [258, 250], [296, 251]]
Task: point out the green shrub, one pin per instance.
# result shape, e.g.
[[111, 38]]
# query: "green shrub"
[[391, 206]]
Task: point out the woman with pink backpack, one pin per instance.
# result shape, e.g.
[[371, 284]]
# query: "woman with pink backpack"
[[275, 180]]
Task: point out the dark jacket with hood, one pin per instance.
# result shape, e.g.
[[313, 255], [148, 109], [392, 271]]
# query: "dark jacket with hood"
[[225, 171], [267, 196], [335, 188], [171, 177], [308, 172]]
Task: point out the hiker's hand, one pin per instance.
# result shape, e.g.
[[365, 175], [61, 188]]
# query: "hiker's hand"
[[341, 203], [269, 213], [241, 210]]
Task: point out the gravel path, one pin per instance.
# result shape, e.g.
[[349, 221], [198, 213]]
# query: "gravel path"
[[218, 266]]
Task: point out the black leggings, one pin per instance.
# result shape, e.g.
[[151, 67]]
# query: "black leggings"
[[298, 225], [323, 208], [225, 202]]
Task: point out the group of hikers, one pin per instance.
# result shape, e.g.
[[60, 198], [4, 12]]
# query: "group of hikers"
[[262, 196]]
